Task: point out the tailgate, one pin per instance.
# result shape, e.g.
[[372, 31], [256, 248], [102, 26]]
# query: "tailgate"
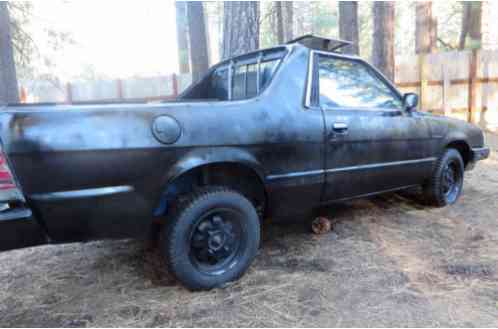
[[18, 227]]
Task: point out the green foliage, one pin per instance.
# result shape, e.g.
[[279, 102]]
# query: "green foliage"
[[24, 45], [268, 36], [316, 17], [325, 18], [26, 51], [321, 18], [449, 18]]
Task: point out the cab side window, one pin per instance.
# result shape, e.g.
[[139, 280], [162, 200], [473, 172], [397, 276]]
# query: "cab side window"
[[351, 84]]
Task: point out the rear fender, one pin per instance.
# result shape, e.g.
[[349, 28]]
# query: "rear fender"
[[198, 158], [205, 156]]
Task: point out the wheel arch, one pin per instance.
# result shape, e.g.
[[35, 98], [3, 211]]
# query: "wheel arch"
[[463, 148], [227, 166]]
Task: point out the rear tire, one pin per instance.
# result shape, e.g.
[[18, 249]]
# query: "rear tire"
[[211, 238], [445, 185]]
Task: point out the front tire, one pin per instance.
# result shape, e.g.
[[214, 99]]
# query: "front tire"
[[211, 238], [445, 186]]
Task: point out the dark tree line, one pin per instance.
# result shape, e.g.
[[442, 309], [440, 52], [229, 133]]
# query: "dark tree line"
[[182, 37], [425, 28], [198, 45], [241, 33], [383, 37], [8, 80], [348, 25], [471, 34], [241, 22]]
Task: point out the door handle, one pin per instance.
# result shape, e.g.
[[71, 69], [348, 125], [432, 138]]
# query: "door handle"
[[340, 128]]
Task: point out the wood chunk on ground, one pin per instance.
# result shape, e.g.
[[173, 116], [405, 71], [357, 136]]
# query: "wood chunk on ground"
[[321, 225]]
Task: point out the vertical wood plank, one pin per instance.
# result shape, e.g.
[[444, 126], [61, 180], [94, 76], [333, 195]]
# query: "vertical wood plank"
[[69, 93], [446, 90], [423, 80], [174, 81], [472, 92], [485, 86], [119, 86]]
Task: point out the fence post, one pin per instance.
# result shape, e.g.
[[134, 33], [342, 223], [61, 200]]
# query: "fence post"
[[119, 85], [472, 96], [423, 80], [69, 93], [174, 81], [446, 90]]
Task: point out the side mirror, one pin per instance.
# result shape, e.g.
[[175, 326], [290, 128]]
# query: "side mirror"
[[410, 101]]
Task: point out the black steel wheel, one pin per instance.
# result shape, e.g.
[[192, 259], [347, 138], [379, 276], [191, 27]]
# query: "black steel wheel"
[[216, 239], [451, 178], [445, 186], [211, 238]]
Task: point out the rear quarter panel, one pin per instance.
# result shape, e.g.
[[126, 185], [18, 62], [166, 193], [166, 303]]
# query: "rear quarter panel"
[[61, 154]]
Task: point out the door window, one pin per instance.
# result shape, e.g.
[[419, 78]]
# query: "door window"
[[352, 84]]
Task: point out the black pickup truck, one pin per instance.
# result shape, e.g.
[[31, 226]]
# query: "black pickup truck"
[[272, 133]]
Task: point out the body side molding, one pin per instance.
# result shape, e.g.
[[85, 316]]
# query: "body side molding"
[[359, 167], [83, 193]]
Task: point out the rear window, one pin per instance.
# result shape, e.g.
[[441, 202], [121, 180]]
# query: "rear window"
[[242, 78], [245, 79], [267, 71], [218, 84]]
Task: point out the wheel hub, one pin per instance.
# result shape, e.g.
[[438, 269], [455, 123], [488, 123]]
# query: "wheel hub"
[[216, 240], [213, 240]]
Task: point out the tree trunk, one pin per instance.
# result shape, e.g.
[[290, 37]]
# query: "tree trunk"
[[279, 20], [348, 25], [425, 28], [383, 37], [198, 39], [182, 37], [288, 20], [9, 92], [240, 27], [471, 35]]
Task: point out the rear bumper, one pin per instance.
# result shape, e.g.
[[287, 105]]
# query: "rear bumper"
[[478, 154], [19, 229]]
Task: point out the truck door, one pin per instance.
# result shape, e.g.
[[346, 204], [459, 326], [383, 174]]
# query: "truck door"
[[372, 144]]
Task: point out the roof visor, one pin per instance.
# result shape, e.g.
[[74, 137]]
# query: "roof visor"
[[320, 43]]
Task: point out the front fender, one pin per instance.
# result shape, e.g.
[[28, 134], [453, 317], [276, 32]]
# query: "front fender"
[[455, 136], [449, 130]]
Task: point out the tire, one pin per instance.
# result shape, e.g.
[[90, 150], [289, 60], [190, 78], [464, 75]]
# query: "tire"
[[211, 238], [440, 190]]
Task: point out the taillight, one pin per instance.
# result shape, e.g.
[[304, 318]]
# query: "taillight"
[[8, 187], [6, 178]]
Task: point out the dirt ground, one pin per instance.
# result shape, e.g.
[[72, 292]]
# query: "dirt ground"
[[389, 261]]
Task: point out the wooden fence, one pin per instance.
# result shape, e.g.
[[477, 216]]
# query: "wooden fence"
[[461, 84], [121, 90]]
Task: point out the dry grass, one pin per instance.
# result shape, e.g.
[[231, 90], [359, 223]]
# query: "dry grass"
[[388, 261]]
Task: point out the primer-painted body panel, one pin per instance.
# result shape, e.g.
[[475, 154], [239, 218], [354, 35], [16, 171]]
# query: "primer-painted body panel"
[[96, 171], [383, 152]]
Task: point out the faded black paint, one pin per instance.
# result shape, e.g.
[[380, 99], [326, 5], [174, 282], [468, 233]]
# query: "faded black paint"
[[291, 149]]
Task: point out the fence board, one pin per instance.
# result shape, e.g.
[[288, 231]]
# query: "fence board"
[[461, 84], [448, 84]]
